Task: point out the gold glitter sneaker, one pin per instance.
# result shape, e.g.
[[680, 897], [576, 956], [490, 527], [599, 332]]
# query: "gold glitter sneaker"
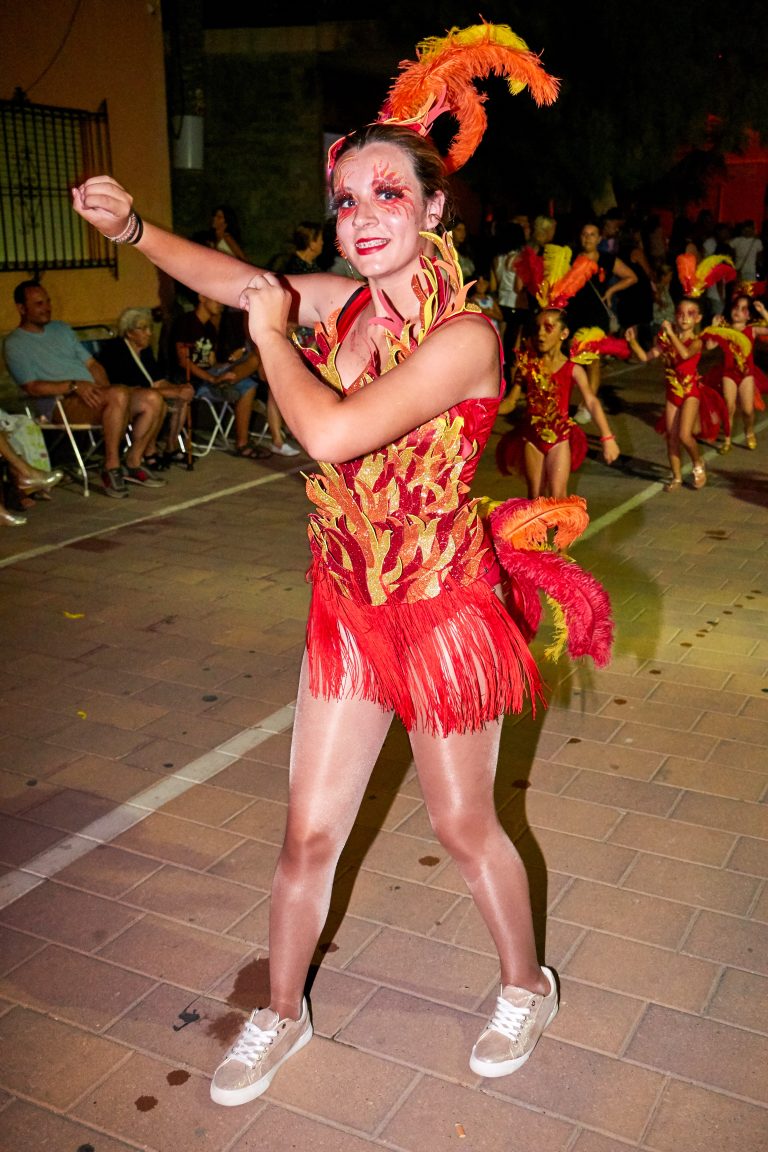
[[264, 1044], [514, 1029]]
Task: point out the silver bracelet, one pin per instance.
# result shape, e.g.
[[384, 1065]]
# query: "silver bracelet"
[[132, 232]]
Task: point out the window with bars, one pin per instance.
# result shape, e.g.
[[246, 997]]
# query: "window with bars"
[[44, 150]]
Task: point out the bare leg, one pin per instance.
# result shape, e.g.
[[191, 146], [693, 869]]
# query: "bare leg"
[[457, 776], [557, 469], [335, 746], [274, 420], [114, 421], [672, 416], [147, 409], [689, 413], [243, 413], [534, 470], [729, 395], [747, 402]]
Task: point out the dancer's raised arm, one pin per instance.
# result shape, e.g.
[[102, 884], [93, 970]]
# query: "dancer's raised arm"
[[107, 206]]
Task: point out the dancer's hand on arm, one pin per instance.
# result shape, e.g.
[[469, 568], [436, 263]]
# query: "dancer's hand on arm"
[[630, 336], [684, 351], [107, 206], [454, 363]]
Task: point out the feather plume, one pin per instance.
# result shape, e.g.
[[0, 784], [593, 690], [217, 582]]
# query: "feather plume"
[[590, 343], [583, 601], [523, 523], [441, 80], [739, 344], [529, 266], [571, 281], [686, 272], [713, 269]]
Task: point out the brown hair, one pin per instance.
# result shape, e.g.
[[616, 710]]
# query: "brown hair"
[[427, 162]]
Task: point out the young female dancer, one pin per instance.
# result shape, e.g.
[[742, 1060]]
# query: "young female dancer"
[[553, 444], [405, 615], [738, 374]]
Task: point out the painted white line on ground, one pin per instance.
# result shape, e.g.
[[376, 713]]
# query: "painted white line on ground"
[[17, 883]]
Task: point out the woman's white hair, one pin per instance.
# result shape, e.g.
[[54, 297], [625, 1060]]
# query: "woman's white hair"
[[133, 318]]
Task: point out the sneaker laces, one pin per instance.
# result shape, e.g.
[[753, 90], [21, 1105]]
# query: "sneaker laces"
[[508, 1019], [251, 1044]]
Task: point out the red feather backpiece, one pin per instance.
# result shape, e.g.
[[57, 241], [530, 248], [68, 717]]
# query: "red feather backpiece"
[[529, 266], [521, 530], [442, 80]]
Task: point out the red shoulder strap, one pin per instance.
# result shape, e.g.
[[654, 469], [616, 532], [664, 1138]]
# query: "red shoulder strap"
[[351, 310]]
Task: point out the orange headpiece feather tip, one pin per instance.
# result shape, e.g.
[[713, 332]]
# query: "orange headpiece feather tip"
[[441, 79]]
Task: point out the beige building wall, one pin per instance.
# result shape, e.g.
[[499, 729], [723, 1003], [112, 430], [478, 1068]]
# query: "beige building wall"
[[112, 52]]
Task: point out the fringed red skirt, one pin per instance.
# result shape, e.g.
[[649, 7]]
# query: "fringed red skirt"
[[452, 663]]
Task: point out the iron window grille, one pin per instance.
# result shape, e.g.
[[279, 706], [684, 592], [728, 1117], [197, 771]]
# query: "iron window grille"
[[44, 151]]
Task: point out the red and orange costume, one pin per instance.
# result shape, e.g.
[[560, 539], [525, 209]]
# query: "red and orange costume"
[[738, 346], [404, 609], [683, 380], [547, 421]]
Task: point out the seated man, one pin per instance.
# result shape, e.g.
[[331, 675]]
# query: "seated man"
[[47, 360], [218, 368], [128, 359]]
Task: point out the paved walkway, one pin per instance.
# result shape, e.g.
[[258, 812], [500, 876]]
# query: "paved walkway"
[[150, 655]]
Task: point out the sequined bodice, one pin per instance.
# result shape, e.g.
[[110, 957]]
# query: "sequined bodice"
[[398, 523], [547, 397]]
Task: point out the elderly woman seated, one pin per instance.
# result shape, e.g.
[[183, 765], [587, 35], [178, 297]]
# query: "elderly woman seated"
[[128, 359]]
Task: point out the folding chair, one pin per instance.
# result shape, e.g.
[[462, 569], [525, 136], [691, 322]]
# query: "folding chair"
[[222, 419]]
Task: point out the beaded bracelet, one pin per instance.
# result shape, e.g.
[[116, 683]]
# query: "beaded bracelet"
[[133, 231], [604, 438]]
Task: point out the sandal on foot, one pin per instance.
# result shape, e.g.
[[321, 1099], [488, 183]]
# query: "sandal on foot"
[[725, 448], [673, 484], [751, 442], [247, 451], [699, 476]]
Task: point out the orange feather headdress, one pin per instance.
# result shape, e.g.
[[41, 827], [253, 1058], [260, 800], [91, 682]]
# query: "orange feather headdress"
[[441, 80], [558, 279], [696, 278]]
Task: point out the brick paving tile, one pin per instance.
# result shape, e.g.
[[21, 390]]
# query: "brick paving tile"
[[436, 1113], [426, 967], [750, 855], [187, 728], [260, 819], [101, 739], [652, 738], [386, 900], [719, 780], [651, 973], [718, 812], [15, 947], [100, 776], [695, 884], [706, 1051], [416, 1032], [570, 814], [579, 856], [18, 794], [682, 841], [210, 806], [182, 953], [69, 810], [609, 758], [629, 795], [268, 781], [741, 998], [108, 871], [750, 731], [34, 758], [52, 1062], [659, 672], [66, 916], [624, 913], [25, 1128], [21, 840], [177, 841], [279, 1130], [730, 940], [690, 1118], [594, 1142], [252, 863], [336, 997], [594, 1018], [160, 1107], [707, 699], [731, 754], [79, 989], [586, 1087], [372, 1086], [156, 1025], [193, 898]]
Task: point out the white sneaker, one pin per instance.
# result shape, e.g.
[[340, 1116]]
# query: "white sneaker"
[[514, 1030], [264, 1044], [581, 415], [285, 449]]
